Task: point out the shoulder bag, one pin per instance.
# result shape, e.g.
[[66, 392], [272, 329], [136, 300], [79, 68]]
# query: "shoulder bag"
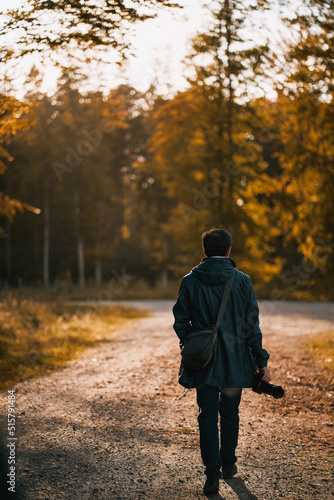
[[200, 346]]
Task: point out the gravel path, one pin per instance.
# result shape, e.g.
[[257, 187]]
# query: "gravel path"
[[110, 424]]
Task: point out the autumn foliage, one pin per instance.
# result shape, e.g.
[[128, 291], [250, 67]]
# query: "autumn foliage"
[[131, 179]]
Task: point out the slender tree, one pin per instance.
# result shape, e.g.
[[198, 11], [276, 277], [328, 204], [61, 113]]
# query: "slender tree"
[[304, 113], [205, 143]]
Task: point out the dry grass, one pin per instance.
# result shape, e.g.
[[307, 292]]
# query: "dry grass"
[[133, 289], [38, 336], [322, 348]]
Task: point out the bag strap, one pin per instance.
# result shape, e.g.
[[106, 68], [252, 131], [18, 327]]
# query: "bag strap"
[[223, 304]]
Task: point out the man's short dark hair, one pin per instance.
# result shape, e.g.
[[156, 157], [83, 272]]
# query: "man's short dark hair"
[[216, 242]]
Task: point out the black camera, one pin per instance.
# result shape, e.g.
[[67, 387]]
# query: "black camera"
[[259, 386]]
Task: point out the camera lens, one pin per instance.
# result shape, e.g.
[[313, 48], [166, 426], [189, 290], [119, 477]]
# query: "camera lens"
[[277, 391]]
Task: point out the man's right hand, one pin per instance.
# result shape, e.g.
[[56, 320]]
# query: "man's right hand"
[[266, 374]]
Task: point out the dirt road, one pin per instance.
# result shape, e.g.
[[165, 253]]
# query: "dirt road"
[[110, 425]]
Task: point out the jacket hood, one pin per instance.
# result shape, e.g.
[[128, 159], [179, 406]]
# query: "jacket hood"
[[215, 270]]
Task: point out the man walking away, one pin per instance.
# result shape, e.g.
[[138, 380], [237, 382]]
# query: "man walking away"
[[239, 351]]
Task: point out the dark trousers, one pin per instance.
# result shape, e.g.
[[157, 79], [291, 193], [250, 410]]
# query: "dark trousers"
[[211, 402]]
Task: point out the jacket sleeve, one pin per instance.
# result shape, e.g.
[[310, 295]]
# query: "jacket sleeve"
[[252, 329], [181, 311]]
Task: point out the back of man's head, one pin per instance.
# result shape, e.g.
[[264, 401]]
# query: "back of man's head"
[[216, 242]]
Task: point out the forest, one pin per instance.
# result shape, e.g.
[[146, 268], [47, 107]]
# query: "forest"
[[96, 186]]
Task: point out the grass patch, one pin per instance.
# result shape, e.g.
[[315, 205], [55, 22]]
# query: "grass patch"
[[322, 348], [133, 289], [38, 336]]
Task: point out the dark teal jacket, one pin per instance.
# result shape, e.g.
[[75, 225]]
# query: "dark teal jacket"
[[239, 348]]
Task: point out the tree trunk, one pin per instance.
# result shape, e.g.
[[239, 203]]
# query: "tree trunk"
[[164, 277], [230, 106], [81, 261], [46, 233], [8, 236], [8, 252], [220, 115], [80, 242], [98, 262], [164, 272]]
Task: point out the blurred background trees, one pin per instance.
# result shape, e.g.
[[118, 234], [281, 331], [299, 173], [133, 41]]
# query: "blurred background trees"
[[129, 180]]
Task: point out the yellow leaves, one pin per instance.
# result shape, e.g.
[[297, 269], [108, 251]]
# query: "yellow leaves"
[[11, 113], [260, 184], [248, 263], [9, 207], [4, 154], [125, 232], [116, 111], [12, 116], [198, 175], [197, 139]]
